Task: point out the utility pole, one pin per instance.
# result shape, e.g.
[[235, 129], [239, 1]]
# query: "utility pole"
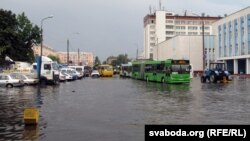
[[203, 42], [67, 51], [136, 53], [78, 56]]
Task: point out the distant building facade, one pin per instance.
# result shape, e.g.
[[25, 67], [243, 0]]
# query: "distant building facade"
[[75, 58], [233, 41], [46, 50], [163, 25]]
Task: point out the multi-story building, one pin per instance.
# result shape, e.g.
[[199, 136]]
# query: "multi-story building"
[[81, 58], [233, 41], [163, 25], [46, 50]]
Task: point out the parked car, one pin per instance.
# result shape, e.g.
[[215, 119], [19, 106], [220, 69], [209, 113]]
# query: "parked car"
[[62, 76], [95, 74], [7, 80], [28, 79], [70, 74], [79, 69]]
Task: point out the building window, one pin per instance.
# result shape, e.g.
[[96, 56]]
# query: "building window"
[[152, 32], [152, 44], [152, 26], [169, 21], [205, 28], [152, 38], [248, 29], [180, 27], [177, 22], [169, 27], [225, 39], [192, 28], [180, 33], [192, 33], [169, 33], [220, 40], [230, 38], [242, 35], [236, 36]]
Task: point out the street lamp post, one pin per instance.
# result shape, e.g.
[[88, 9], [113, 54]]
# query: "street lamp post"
[[41, 51]]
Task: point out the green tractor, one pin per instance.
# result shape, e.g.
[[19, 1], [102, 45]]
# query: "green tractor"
[[216, 72]]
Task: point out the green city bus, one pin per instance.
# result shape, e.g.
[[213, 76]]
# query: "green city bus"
[[168, 71]]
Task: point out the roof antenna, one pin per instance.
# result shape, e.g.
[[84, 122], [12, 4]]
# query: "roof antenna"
[[150, 9]]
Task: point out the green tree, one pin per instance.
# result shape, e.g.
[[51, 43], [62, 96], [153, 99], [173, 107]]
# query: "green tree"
[[17, 36], [54, 58], [104, 62], [122, 59], [8, 35], [28, 35], [97, 61]]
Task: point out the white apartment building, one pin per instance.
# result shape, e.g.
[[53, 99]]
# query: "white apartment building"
[[233, 41], [163, 25]]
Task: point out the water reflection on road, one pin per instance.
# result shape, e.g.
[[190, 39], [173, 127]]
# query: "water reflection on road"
[[117, 109]]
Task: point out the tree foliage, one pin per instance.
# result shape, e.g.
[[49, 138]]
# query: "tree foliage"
[[8, 35], [121, 59], [54, 58], [97, 61], [17, 36]]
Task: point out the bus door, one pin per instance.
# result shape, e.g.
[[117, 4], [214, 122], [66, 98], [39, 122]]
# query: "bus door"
[[159, 72]]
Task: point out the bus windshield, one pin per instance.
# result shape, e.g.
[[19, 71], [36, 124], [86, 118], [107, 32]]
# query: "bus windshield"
[[180, 68]]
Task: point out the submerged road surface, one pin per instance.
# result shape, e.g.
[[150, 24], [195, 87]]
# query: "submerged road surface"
[[112, 109]]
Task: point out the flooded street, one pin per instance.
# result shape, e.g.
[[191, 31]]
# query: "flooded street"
[[111, 109]]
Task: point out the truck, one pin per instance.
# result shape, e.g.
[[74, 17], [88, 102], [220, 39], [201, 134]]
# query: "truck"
[[49, 71]]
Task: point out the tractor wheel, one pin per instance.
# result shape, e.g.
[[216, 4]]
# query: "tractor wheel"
[[213, 78]]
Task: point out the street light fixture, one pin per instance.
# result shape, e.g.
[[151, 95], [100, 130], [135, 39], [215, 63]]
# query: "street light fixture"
[[41, 51]]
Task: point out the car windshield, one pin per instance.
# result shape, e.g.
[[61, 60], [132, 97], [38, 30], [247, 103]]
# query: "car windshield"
[[17, 76], [55, 66]]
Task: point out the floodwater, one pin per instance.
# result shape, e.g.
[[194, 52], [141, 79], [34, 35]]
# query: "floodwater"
[[111, 109]]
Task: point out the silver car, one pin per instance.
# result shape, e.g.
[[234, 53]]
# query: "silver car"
[[7, 80], [28, 79]]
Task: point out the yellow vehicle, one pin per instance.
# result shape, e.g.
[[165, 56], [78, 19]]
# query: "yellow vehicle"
[[106, 70]]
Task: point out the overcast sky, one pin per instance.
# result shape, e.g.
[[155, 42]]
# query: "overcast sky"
[[106, 27]]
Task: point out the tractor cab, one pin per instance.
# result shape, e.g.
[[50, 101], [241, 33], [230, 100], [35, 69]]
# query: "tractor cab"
[[216, 72]]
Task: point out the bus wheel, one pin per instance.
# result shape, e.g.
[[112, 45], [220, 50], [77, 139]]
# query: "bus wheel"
[[162, 80]]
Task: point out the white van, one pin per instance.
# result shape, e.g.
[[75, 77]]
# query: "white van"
[[79, 69], [49, 71]]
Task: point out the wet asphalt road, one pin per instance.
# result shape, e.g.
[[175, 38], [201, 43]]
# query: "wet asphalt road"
[[111, 109]]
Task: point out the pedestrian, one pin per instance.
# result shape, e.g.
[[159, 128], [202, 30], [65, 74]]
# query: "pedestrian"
[[207, 74]]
